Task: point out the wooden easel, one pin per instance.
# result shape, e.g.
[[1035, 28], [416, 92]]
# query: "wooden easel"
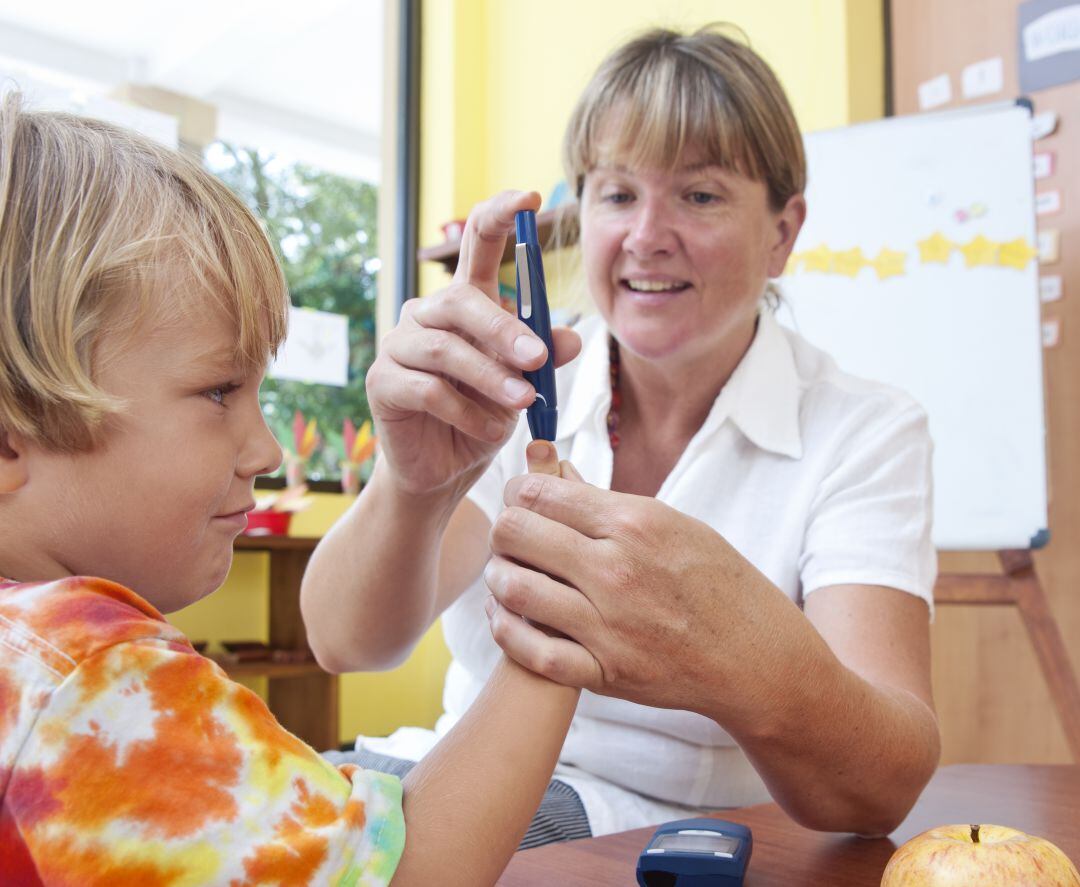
[[1019, 586]]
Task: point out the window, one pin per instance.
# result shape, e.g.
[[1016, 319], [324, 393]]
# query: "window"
[[283, 102]]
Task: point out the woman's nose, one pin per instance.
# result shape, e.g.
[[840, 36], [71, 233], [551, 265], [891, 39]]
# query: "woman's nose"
[[651, 232]]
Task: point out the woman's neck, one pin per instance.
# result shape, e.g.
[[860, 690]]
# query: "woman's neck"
[[667, 401]]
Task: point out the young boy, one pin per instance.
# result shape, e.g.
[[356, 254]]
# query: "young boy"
[[139, 304]]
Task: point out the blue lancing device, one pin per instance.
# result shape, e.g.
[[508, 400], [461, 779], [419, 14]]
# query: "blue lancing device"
[[532, 309]]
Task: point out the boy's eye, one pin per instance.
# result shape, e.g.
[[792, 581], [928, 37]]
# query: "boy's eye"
[[220, 392]]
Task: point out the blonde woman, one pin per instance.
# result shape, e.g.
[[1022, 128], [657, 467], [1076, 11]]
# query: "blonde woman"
[[743, 583]]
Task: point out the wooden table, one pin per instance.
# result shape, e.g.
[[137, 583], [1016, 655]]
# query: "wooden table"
[[1041, 800]]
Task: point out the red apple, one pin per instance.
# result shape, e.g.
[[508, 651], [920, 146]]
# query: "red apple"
[[987, 856]]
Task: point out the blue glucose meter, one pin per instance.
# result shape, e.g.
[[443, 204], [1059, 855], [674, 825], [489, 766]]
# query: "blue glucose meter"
[[696, 853]]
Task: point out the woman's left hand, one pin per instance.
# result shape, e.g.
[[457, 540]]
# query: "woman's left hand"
[[653, 606]]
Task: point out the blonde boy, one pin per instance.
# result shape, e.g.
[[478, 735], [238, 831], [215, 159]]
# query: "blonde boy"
[[139, 305]]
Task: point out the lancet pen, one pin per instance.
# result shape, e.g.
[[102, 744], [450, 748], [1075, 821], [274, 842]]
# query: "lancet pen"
[[532, 308]]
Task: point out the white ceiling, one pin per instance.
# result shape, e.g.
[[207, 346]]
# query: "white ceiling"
[[303, 79]]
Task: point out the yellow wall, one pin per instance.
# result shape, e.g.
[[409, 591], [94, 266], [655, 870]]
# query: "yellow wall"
[[499, 78]]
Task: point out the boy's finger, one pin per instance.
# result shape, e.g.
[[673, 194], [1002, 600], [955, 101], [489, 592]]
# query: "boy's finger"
[[542, 457], [569, 472]]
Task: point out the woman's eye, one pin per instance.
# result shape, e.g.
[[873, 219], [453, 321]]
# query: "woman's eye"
[[617, 197], [703, 198]]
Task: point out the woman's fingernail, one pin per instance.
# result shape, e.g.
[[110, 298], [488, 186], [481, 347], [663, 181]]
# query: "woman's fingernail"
[[489, 606], [516, 388], [528, 347]]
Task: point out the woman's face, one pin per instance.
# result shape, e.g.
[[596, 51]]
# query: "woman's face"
[[677, 261]]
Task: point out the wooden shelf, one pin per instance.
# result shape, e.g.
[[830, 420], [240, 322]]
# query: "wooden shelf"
[[302, 696], [548, 224], [268, 669], [276, 543]]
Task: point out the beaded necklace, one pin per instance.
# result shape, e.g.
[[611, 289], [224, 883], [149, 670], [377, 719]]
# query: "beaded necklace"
[[616, 396]]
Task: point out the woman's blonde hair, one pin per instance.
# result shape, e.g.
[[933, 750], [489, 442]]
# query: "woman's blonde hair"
[[663, 92], [99, 227]]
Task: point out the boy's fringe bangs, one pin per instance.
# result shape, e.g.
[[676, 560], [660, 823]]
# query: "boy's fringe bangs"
[[100, 228]]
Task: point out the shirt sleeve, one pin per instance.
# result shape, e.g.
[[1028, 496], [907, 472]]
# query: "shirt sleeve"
[[148, 762], [870, 521]]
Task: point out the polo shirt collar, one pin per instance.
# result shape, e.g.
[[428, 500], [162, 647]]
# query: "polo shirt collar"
[[761, 397]]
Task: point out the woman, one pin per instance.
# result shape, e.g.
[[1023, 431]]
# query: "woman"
[[744, 579]]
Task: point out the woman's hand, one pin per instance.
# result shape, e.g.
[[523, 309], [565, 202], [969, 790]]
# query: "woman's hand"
[[446, 388], [656, 607]]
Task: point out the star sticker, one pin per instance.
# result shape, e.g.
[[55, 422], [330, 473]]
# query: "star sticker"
[[1016, 253], [792, 265], [979, 251], [889, 263], [935, 248], [818, 259], [849, 262]]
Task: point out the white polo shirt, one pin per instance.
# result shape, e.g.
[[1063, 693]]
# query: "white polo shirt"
[[818, 478]]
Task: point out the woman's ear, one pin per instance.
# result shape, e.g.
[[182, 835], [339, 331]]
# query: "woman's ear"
[[14, 465], [789, 222]]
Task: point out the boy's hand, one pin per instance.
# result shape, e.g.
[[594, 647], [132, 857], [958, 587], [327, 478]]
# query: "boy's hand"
[[542, 458]]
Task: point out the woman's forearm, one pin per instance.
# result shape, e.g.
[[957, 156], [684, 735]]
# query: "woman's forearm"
[[836, 751], [368, 592], [469, 801]]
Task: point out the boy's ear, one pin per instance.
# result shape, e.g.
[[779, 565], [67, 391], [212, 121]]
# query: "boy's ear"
[[14, 466]]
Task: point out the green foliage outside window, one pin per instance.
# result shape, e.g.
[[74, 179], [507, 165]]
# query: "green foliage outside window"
[[324, 228]]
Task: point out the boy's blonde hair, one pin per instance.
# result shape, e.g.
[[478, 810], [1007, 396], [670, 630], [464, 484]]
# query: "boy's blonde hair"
[[663, 92], [99, 228]]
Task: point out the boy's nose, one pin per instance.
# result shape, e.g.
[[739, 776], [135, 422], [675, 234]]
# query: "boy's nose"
[[263, 453]]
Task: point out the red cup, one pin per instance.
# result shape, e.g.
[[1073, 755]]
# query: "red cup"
[[268, 523]]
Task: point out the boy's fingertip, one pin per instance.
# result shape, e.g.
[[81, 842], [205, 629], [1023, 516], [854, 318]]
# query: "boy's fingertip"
[[540, 451]]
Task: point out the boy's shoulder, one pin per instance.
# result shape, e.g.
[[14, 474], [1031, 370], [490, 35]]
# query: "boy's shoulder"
[[66, 621]]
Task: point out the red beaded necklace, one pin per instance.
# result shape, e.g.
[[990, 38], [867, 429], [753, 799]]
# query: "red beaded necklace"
[[616, 397]]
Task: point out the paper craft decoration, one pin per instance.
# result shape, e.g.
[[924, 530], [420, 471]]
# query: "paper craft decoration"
[[1050, 288], [306, 440], [983, 78], [935, 92], [359, 446], [1047, 203], [316, 350], [1044, 164]]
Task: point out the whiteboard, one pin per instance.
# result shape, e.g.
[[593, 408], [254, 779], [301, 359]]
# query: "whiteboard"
[[917, 267]]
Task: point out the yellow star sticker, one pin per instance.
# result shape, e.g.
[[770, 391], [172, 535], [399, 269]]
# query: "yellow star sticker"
[[935, 248], [889, 263], [849, 262], [979, 251], [818, 259], [793, 261], [1016, 253]]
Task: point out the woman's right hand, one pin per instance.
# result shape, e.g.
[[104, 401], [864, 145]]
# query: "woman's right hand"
[[446, 388]]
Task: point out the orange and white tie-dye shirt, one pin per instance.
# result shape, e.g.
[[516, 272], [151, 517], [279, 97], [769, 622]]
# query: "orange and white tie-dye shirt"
[[128, 759]]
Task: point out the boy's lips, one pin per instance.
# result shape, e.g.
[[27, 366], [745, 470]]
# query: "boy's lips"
[[238, 513]]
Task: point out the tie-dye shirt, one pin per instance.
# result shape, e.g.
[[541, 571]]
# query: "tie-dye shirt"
[[128, 759]]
